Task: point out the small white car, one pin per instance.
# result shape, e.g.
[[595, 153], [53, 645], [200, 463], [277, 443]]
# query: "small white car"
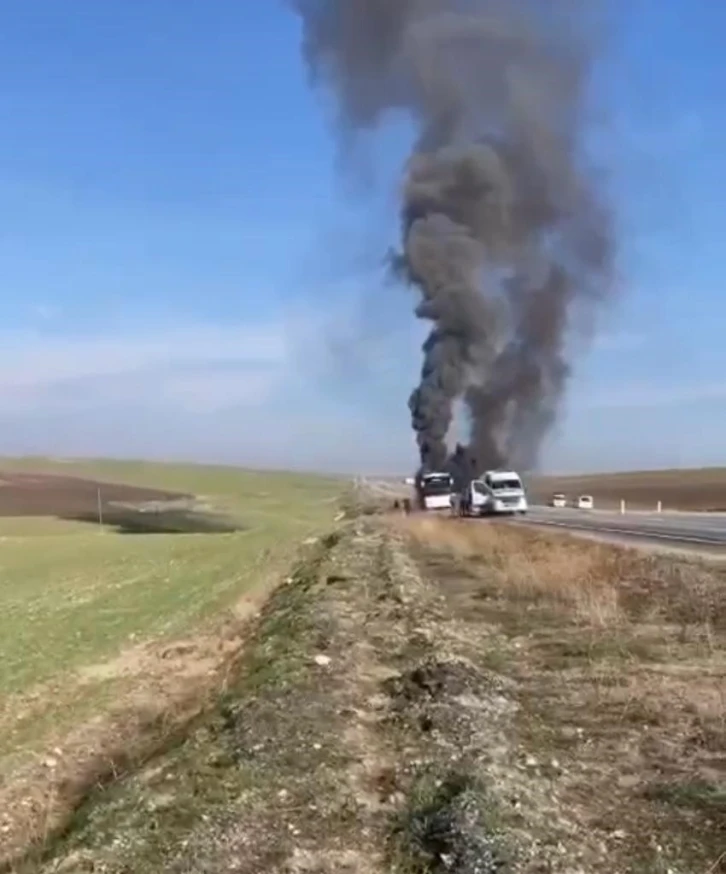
[[558, 500], [585, 502]]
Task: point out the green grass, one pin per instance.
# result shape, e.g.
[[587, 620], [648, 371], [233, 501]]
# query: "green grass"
[[277, 700], [79, 598], [73, 595], [38, 526], [251, 493]]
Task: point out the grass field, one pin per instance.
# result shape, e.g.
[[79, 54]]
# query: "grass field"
[[418, 689], [698, 489], [85, 613], [247, 492]]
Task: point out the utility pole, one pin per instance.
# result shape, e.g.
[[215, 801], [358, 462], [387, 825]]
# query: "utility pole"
[[100, 508]]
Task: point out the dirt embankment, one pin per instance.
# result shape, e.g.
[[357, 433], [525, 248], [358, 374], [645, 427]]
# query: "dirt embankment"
[[441, 697]]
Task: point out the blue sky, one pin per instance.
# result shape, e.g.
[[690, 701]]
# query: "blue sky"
[[185, 275]]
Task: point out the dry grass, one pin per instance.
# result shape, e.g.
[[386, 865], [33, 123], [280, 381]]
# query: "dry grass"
[[603, 585], [530, 568], [622, 651]]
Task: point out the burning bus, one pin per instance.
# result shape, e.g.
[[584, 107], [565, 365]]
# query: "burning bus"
[[434, 490]]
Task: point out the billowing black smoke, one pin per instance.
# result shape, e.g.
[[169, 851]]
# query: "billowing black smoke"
[[503, 230]]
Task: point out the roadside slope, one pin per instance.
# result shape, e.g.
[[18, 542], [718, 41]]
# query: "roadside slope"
[[110, 643], [413, 700]]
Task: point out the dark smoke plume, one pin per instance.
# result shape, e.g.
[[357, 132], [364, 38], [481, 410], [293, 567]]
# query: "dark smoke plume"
[[504, 233]]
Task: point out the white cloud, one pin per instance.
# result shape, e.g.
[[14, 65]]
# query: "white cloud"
[[45, 312], [34, 359], [193, 366], [269, 393], [265, 393], [645, 395], [620, 341], [210, 392], [676, 133]]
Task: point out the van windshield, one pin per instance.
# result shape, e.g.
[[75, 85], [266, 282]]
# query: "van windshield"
[[501, 484]]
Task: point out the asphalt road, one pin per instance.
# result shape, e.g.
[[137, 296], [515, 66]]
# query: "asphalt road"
[[699, 532], [702, 531]]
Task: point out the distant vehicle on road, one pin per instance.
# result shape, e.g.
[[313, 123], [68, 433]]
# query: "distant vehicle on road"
[[558, 500], [496, 492], [434, 491], [585, 502]]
